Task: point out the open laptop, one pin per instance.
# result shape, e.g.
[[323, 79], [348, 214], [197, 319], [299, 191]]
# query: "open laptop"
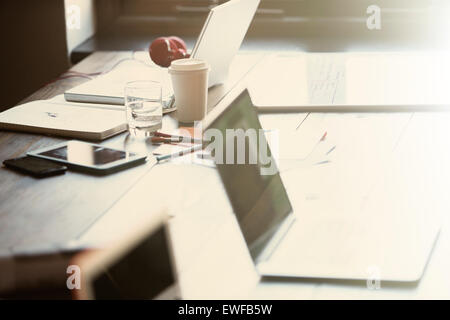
[[222, 36], [382, 240], [218, 43]]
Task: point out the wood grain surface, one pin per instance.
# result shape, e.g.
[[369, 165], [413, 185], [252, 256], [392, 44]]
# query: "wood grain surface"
[[58, 209]]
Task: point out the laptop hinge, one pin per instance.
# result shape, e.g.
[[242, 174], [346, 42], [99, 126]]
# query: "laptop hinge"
[[276, 239]]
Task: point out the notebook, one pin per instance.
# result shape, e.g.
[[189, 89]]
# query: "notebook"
[[62, 119]]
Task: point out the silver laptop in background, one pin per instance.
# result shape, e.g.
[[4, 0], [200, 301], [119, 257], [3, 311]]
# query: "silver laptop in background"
[[218, 43], [220, 40], [325, 242]]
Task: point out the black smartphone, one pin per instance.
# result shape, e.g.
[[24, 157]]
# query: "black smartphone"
[[39, 168]]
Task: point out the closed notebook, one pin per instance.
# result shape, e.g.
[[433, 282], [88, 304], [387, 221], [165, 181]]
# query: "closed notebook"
[[74, 121]]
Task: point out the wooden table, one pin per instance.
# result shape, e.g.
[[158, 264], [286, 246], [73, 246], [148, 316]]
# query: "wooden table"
[[59, 209], [212, 260]]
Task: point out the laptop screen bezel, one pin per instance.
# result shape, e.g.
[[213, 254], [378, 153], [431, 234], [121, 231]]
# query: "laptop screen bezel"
[[266, 242]]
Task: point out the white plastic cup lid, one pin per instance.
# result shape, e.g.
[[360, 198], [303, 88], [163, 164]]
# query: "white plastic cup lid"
[[188, 64]]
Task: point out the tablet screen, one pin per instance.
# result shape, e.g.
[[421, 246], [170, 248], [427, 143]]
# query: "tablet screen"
[[86, 154]]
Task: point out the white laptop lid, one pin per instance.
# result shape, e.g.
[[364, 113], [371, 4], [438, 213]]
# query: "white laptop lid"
[[222, 35]]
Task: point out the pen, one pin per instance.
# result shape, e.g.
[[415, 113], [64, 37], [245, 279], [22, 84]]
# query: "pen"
[[180, 153], [166, 140], [329, 151], [181, 138]]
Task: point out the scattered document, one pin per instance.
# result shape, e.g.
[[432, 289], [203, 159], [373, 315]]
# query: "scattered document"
[[351, 81], [356, 154], [296, 80]]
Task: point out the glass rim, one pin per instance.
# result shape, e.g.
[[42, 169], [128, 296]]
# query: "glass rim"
[[141, 84]]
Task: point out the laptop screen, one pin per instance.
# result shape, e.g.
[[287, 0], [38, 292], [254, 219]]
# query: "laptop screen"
[[257, 196], [143, 272]]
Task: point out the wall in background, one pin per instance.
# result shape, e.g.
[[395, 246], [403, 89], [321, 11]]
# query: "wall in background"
[[34, 47], [80, 22]]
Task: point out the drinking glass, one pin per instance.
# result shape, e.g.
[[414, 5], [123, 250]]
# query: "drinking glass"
[[143, 105]]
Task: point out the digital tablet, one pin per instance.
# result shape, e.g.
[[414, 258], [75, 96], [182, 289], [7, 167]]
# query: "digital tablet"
[[89, 157]]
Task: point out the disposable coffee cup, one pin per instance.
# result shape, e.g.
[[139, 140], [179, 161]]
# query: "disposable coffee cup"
[[190, 86]]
